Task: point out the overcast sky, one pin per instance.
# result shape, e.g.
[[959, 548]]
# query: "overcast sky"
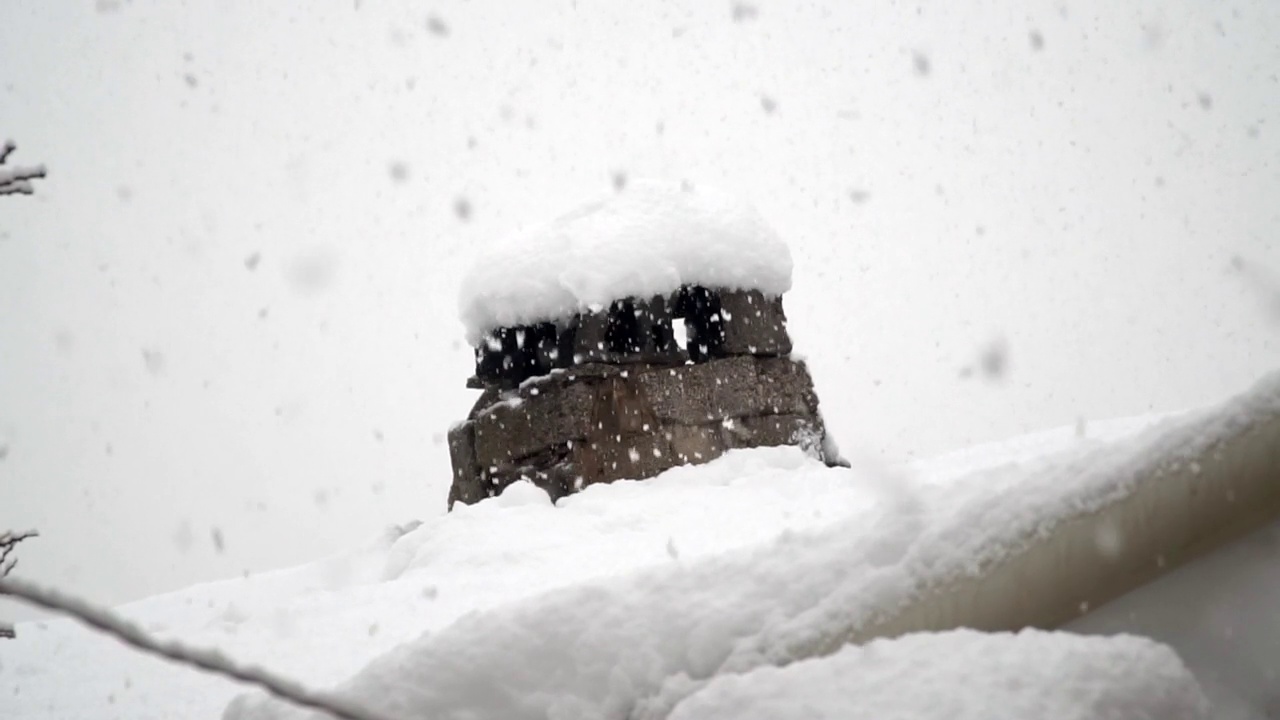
[[228, 317]]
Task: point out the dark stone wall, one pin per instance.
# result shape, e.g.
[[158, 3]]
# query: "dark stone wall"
[[630, 403]]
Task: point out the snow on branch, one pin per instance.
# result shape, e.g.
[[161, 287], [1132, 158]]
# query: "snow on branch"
[[205, 659], [17, 180]]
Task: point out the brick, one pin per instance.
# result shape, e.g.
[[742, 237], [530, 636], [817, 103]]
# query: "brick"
[[461, 451], [491, 395], [696, 445], [677, 395], [785, 388], [558, 480], [632, 330], [591, 337], [696, 394], [655, 319], [621, 408], [704, 326], [733, 382], [508, 355], [605, 459], [754, 324], [467, 486], [509, 431], [771, 430]]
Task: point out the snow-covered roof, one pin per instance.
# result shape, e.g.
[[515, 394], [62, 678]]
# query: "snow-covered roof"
[[649, 239], [669, 609]]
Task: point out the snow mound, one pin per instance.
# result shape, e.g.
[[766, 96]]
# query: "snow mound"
[[964, 675], [629, 597], [638, 645], [649, 239]]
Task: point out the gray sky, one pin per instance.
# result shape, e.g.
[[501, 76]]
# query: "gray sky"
[[231, 308]]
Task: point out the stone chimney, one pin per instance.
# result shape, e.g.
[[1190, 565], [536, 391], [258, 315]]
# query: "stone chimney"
[[620, 394]]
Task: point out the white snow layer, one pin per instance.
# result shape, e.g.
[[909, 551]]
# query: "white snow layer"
[[648, 239], [642, 596], [964, 675], [641, 644]]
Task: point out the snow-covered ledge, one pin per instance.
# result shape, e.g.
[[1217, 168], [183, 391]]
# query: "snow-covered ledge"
[[1197, 488]]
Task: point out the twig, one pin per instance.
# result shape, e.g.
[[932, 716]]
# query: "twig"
[[205, 659], [17, 181], [9, 540]]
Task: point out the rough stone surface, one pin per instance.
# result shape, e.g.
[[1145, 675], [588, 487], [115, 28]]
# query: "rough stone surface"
[[678, 394], [558, 479], [621, 408], [467, 486], [591, 338], [616, 457], [770, 430], [696, 445], [491, 395], [704, 325], [510, 430], [703, 392], [754, 324], [785, 387]]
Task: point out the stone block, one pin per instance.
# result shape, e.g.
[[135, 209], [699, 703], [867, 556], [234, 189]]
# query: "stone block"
[[490, 364], [704, 326], [558, 379], [696, 445], [467, 486], [771, 430], [655, 320], [631, 330], [508, 355], [591, 337], [626, 334], [609, 458], [488, 397], [560, 480], [785, 388], [678, 395], [557, 480], [566, 332], [734, 385], [621, 408], [511, 430], [702, 393], [754, 324]]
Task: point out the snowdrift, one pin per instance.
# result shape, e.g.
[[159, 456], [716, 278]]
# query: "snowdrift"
[[1000, 548], [648, 599], [963, 675]]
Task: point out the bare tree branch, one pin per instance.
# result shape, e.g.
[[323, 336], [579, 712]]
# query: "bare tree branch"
[[205, 659], [8, 538], [17, 181], [8, 541]]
